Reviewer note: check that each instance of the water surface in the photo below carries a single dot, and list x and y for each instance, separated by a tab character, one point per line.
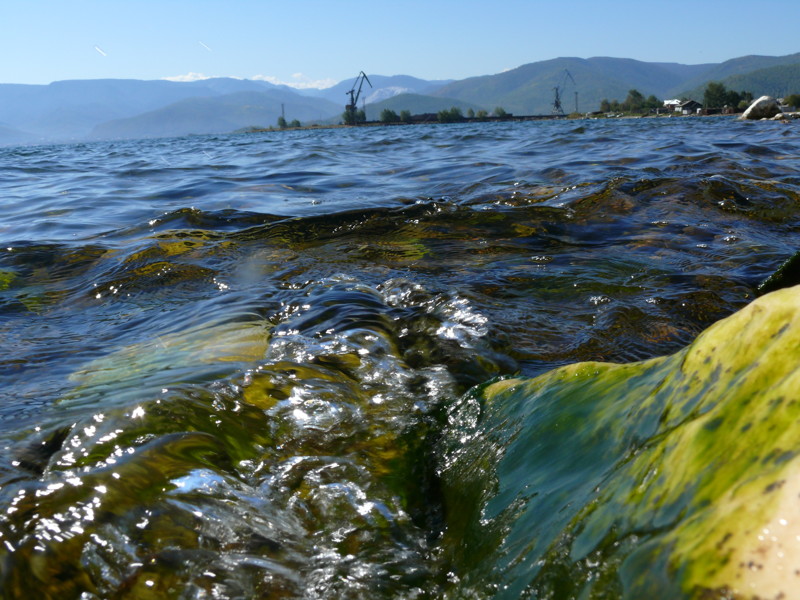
229	359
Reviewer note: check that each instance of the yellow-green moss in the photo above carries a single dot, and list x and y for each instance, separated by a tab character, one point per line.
6	278
696	455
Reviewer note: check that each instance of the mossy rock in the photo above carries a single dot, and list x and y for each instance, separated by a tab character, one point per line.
673	477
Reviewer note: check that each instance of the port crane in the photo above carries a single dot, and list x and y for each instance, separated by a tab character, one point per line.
354	93
559	89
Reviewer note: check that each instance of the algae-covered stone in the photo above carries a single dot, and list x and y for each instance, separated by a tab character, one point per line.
673	477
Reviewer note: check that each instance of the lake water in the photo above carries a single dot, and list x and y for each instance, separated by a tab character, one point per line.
228	360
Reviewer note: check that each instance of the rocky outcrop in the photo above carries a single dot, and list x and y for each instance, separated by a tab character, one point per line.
765	107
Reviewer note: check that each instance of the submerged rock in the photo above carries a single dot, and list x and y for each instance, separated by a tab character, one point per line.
282	452
764	107
673	477
787	275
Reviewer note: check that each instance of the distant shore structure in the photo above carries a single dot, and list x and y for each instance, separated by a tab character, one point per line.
351	109
558	109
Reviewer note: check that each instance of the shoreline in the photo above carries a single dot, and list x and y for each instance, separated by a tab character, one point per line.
508	118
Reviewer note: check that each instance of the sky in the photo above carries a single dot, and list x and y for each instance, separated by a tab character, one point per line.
316	43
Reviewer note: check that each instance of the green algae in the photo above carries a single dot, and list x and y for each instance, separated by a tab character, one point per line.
6	279
673	477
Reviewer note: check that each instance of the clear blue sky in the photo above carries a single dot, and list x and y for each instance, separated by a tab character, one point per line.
304	41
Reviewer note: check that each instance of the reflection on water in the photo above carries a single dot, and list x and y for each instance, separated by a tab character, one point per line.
229	374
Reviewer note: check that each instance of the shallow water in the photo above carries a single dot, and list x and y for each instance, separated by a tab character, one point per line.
229	360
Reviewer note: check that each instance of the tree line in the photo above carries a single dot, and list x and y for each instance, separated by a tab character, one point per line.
447	115
635	102
716	95
283	124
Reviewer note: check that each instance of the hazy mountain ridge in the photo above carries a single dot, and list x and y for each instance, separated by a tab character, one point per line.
740	66
9	135
71	109
528	89
88	109
777	81
217	114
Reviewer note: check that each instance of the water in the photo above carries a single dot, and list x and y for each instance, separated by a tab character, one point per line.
229	360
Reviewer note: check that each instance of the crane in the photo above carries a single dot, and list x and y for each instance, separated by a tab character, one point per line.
557	108
350	109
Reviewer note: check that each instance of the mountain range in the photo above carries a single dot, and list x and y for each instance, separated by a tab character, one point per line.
529	89
124	108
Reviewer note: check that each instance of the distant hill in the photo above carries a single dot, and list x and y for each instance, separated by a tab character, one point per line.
9	136
529	89
776	81
219	114
71	109
416	104
734	67
78	110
